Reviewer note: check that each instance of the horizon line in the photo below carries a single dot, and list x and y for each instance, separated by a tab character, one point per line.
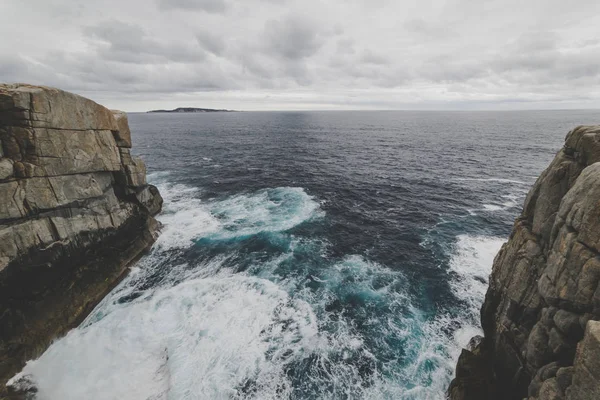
367	110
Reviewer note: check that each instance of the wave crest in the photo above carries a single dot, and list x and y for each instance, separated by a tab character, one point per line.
187	219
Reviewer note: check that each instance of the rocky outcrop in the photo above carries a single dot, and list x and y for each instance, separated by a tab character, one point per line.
541	338
75	211
585	373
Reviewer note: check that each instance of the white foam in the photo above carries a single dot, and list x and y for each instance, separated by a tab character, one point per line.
186	218
436	354
205	332
472	263
511	200
200	339
492	207
268	210
206	336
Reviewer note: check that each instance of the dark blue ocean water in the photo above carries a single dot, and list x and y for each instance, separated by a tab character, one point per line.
309	255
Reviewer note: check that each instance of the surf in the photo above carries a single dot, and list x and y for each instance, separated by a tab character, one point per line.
287	322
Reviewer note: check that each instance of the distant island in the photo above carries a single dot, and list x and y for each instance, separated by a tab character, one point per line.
189	110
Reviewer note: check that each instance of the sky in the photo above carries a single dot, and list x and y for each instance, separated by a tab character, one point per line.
137	55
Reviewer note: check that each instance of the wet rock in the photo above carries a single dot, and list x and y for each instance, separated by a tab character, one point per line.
473	376
475	343
150	198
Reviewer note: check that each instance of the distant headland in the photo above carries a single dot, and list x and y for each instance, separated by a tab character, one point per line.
189	110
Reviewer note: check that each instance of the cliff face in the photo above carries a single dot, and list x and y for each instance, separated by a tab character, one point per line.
541	339
75	210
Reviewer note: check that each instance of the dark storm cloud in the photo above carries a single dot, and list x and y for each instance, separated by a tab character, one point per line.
211	6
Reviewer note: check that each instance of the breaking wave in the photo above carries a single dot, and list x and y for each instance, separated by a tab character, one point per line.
291	323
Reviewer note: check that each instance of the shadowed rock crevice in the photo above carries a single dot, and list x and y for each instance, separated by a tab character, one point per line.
543	301
75	211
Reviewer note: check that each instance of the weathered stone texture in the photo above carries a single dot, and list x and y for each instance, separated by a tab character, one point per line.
123	134
585	384
75	210
544	287
44	107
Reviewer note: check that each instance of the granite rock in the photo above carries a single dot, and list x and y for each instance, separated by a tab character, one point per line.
586	369
123	134
75	211
544	287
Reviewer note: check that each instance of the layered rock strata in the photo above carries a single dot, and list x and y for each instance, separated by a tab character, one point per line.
75	211
542	340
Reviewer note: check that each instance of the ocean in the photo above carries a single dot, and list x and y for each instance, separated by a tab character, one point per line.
308	255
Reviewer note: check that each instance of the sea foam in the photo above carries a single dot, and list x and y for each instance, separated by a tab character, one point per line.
182	330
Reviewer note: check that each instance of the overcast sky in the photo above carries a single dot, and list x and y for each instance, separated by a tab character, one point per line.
308	54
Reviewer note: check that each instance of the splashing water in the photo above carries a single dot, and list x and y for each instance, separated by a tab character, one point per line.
291	322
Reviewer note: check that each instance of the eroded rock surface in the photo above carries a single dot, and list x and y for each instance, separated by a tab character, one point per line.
75	211
541	338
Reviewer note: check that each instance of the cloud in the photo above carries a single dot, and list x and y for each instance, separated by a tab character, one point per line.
210	6
211	42
428	30
369	57
293	37
345	46
12	68
536	57
354	53
125	42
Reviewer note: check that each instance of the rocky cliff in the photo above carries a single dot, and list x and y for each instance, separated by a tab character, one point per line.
542	340
75	211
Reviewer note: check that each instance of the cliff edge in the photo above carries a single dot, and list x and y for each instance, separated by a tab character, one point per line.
75	211
541	339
